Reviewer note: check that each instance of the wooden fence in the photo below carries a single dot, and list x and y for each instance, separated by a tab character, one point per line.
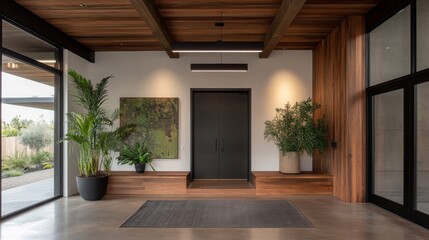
11	145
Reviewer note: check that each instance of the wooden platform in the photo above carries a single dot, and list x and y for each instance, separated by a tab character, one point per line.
268	183
220	187
264	183
148	183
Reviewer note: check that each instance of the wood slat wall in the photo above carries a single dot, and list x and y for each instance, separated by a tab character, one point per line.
339	86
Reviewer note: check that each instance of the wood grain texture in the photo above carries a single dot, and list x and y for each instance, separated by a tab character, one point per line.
339	86
153	20
115	25
284	17
272	183
130	183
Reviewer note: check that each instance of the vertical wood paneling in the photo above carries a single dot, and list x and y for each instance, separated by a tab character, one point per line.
339	86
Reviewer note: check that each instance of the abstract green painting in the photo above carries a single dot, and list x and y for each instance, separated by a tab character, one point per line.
157	123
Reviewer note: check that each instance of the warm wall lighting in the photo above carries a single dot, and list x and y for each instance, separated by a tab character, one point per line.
206	47
218	67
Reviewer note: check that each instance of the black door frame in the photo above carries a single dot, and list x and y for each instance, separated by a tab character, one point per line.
408	84
222	90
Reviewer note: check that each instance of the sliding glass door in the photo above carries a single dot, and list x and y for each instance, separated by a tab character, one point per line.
30	93
398	113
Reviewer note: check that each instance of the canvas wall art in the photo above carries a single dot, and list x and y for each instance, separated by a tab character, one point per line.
157	121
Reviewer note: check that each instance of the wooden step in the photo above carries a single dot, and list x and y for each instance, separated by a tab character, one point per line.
269	183
125	183
221	187
263	183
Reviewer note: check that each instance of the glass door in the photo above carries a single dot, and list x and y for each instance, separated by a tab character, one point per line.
30	96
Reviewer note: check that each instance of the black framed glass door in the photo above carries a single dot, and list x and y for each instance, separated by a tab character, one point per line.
398	112
31	114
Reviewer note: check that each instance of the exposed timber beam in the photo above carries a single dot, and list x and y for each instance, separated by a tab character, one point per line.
286	14
153	20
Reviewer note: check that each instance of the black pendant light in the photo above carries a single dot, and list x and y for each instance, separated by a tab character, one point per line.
221	67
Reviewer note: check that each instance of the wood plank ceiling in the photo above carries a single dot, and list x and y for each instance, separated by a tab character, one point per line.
115	25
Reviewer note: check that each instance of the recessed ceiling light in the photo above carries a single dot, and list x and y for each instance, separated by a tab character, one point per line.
82	5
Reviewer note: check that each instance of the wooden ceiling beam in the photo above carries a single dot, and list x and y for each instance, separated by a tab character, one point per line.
286	14
153	20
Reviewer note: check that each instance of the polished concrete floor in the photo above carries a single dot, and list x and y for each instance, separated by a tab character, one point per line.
16	198
74	218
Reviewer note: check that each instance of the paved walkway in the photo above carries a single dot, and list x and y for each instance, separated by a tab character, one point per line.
17	198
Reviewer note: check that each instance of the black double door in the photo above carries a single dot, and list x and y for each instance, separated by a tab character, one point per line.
221	135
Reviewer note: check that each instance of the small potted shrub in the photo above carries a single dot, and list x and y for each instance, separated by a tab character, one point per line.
137	155
294	131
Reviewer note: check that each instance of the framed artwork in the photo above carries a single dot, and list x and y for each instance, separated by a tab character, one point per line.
157	121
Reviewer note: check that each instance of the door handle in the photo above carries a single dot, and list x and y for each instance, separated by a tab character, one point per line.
222	148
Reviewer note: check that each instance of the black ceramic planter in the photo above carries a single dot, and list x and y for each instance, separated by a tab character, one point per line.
140	167
92	188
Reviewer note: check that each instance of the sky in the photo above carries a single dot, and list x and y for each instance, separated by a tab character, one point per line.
14	86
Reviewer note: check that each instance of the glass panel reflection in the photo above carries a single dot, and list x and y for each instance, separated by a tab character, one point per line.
27	135
390	48
422	149
28	45
389	145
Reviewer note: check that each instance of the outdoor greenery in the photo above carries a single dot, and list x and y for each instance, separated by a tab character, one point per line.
294	130
15	127
22	162
37	136
12	172
138	153
93	130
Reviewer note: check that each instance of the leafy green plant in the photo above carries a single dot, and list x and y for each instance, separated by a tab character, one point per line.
18	160
14	172
41	157
294	130
139	153
86	129
37	136
15	127
47	165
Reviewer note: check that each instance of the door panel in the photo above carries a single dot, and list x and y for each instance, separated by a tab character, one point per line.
234	134
221	135
388	163
206	135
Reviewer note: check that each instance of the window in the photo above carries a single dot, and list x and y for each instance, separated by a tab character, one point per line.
30	92
390	47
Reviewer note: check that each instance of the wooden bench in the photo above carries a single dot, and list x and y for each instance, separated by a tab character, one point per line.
267	183
126	183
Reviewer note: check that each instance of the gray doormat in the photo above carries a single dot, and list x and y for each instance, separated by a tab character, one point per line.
217	214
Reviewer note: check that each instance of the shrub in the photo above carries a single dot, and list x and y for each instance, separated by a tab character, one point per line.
15	127
18	160
40	158
14	172
48	165
37	136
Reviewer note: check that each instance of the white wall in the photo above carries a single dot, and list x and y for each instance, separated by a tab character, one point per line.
79	64
284	76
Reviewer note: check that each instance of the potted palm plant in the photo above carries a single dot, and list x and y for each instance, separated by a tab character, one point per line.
294	131
137	155
91	131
